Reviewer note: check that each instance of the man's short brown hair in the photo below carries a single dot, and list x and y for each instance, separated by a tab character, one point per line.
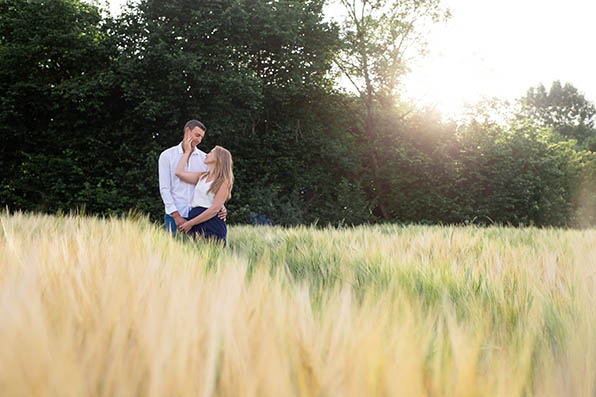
195	123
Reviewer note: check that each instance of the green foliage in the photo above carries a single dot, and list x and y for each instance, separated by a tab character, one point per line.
53	61
254	73
584	188
510	176
89	102
379	36
418	176
564	109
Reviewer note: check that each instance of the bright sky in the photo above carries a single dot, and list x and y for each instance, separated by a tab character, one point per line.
500	49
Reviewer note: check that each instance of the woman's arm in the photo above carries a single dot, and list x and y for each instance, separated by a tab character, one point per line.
218	202
187	176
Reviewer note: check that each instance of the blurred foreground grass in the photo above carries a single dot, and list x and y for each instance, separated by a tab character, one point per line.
112	307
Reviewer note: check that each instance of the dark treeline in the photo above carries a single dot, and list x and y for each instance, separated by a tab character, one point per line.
89	101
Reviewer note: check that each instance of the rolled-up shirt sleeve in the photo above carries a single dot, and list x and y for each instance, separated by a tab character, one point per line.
165	188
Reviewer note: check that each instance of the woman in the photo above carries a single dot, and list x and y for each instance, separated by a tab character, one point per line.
213	188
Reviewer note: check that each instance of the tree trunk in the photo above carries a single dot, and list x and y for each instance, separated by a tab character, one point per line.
371	135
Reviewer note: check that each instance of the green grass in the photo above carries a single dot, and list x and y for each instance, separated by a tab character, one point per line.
116	306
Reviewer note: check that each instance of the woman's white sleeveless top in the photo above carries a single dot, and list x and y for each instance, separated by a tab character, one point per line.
201	198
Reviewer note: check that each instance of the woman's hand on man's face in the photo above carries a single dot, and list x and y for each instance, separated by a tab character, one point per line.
188	144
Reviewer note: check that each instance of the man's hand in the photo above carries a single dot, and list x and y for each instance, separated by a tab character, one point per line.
223	213
178	219
185	227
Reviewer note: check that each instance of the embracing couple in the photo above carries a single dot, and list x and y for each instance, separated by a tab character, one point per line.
194	186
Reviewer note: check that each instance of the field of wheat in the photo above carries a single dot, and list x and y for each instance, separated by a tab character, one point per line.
116	307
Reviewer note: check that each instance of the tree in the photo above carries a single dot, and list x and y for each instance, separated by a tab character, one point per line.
563	108
379	38
54	67
255	72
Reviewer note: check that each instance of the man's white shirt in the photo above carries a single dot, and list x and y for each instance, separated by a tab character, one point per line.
177	194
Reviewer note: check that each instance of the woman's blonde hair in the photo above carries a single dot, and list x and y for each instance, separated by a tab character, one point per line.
222	171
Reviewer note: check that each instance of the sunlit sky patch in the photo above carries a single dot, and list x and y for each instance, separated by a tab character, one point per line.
502	48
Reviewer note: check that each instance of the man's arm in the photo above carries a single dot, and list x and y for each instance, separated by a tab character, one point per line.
223	213
165	190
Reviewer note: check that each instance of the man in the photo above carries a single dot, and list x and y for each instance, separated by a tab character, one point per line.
176	194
